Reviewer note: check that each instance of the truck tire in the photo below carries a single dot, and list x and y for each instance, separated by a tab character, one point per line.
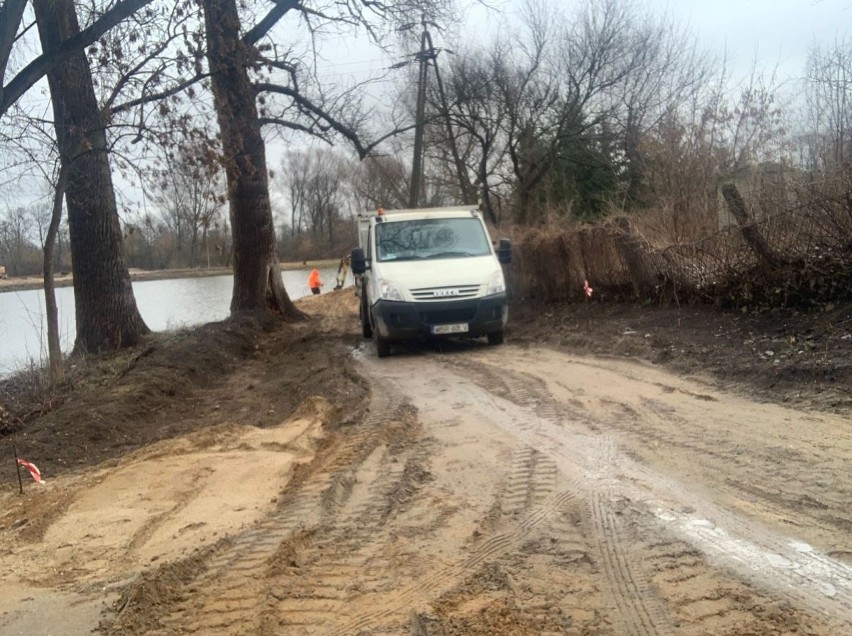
495	337
382	347
366	327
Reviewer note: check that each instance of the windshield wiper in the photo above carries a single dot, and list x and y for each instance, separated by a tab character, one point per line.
400	258
449	254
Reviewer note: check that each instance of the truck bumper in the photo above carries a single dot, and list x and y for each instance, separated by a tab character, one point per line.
395	320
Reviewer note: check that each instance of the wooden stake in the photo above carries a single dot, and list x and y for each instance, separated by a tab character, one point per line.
18	469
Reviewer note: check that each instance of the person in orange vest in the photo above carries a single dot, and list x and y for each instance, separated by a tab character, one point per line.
314	281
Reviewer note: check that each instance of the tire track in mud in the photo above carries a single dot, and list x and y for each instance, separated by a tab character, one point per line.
754	553
788	460
759	556
640	611
344	560
768	489
443	578
538	573
529	500
773	483
327	562
791	568
532	478
230	596
519	388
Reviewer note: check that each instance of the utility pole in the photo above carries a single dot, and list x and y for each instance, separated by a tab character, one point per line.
423	58
428	53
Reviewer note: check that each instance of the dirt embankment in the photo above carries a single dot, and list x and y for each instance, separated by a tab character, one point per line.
783	355
248	477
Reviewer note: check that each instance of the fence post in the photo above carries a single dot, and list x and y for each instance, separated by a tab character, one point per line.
751	234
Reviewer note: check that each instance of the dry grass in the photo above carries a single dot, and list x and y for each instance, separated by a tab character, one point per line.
811	244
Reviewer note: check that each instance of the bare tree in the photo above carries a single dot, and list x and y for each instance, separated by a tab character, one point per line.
829	102
380	181
479	114
559	95
54	349
680	169
106	312
540	97
187	193
326	190
11	15
670	72
829	124
149	245
257	275
257	278
752	127
295	169
17	243
318	183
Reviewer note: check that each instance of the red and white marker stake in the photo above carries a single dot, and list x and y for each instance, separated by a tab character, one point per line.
34	471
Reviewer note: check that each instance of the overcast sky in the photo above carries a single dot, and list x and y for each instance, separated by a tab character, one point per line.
772	32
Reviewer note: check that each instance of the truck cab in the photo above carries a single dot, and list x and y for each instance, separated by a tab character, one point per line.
430	272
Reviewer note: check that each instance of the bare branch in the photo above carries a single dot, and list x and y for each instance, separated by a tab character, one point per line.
11	14
44	63
283	123
152	97
310	108
281	8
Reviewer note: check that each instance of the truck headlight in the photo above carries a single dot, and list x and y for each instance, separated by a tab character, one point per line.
497	284
389	290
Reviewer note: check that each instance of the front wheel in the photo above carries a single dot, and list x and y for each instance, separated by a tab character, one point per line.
495	337
382	347
366	327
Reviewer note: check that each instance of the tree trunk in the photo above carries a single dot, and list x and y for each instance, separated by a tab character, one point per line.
107	316
635	166
487	204
54	348
257	273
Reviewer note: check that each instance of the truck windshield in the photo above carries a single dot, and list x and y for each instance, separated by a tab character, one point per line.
431	238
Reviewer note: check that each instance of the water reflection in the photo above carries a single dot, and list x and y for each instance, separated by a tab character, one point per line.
164	304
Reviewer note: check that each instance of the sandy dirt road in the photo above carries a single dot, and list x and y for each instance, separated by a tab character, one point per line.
499	491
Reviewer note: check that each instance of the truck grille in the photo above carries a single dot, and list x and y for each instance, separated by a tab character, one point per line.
445	293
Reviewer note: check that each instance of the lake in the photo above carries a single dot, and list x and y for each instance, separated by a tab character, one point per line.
164	305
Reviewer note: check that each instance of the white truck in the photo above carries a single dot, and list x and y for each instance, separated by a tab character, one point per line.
429	272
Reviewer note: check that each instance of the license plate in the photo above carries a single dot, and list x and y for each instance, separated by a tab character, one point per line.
445	329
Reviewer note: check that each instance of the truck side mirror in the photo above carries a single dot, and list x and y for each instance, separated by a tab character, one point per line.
357	261
504	251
